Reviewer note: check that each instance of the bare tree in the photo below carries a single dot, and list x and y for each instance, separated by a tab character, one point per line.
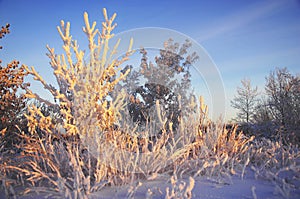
262	113
283	90
245	101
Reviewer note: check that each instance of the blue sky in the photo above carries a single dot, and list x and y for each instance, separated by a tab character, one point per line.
243	38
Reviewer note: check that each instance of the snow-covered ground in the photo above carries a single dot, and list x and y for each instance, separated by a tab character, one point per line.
234	187
231	187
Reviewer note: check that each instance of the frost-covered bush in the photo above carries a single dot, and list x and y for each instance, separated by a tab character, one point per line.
83	84
12	99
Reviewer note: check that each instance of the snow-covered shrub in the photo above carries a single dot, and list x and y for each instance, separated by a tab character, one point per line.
83	84
12	99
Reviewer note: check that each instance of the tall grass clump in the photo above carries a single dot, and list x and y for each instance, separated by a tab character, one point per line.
278	163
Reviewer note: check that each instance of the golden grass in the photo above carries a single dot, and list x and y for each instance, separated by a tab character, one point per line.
69	169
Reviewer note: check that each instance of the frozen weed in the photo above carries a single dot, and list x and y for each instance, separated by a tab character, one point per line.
278	163
180	189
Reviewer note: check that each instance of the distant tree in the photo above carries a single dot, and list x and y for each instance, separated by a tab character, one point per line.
262	113
245	101
167	80
283	91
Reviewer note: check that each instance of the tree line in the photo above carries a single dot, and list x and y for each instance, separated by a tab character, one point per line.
275	111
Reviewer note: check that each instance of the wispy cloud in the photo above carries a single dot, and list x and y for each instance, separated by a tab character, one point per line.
254	62
241	18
